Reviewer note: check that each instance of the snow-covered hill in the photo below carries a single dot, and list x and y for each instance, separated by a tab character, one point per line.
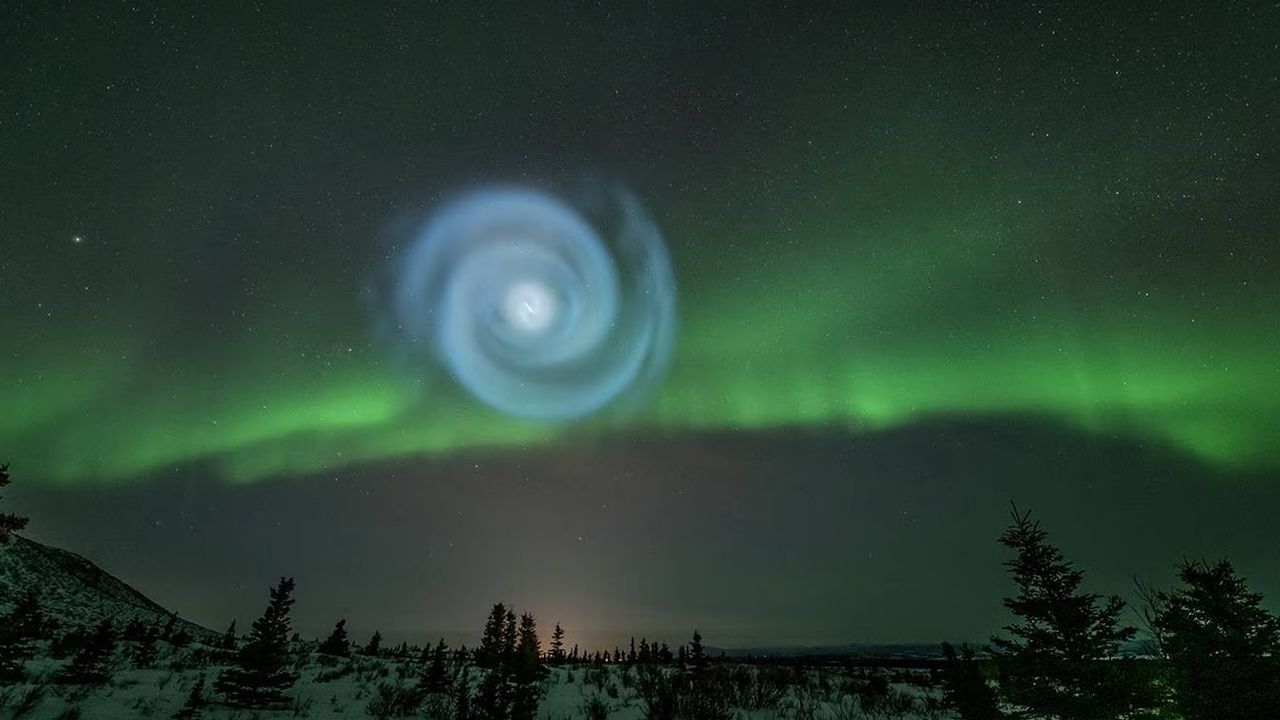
74	591
351	690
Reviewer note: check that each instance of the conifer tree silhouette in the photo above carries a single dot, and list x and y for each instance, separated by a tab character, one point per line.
337	643
557	645
697	654
964	688
15	649
375	644
435	671
9	524
92	663
1055	662
145	653
263	670
527	671
1222	645
489	654
193	708
228	641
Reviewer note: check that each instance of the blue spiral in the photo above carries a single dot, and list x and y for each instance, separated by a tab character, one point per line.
538	308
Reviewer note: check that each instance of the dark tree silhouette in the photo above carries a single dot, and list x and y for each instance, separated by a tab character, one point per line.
463	708
510	636
1053	665
263	671
92	664
9	524
497	653
1223	647
664	654
193	708
145	652
228	641
557	645
375	644
490	653
135	630
435	671
964	688
337	643
175	634
15	644
697	655
527	671
29	620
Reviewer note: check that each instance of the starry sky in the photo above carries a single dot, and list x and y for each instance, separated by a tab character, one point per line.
928	259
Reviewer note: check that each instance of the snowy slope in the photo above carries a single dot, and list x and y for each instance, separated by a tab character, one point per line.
158	693
73	590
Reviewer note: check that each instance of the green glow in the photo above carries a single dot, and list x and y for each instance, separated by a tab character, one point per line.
820	343
925	292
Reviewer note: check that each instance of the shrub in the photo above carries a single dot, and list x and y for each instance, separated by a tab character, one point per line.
392	700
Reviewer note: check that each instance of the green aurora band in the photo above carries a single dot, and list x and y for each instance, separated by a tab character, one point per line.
823	343
900	283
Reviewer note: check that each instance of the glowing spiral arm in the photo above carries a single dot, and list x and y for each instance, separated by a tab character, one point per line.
539	310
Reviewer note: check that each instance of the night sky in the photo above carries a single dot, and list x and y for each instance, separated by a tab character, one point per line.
926	259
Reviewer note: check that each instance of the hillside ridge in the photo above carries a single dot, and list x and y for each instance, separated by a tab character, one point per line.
75	591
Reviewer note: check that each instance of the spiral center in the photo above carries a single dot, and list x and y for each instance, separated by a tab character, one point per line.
529	307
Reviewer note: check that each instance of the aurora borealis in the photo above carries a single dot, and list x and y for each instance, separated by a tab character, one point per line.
879	220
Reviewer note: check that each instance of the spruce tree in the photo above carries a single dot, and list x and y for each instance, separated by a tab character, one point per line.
462	697
1222	645
697	654
181	638
1055	663
262	671
91	665
337	643
15	646
193	708
527	671
9	524
435	671
489	654
28	619
375	644
510	635
229	637
135	630
557	645
492	700
145	653
964	688
23	625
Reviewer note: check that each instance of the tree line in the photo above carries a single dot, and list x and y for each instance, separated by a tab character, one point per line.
1214	652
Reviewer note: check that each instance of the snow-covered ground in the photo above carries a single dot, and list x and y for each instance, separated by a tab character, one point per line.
810	694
